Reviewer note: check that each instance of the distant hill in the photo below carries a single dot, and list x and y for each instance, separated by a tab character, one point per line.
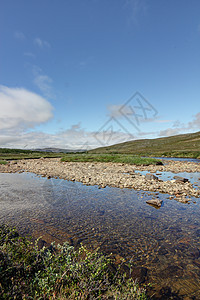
58	150
183	145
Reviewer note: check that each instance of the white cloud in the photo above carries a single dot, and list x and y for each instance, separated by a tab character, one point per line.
22	109
114	110
130	112
169	132
77	137
19	35
179	127
41	43
195	123
71	138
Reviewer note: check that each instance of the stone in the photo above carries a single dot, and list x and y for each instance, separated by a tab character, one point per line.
113	175
155	202
181	179
149	176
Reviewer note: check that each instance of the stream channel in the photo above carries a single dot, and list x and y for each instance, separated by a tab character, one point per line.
163	244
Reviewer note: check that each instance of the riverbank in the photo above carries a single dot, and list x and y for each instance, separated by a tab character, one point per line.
112	174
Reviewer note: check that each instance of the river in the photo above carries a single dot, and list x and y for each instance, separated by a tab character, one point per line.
164	243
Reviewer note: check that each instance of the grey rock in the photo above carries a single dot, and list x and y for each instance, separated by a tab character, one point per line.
149	176
155	202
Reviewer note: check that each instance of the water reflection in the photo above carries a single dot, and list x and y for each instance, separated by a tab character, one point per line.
163	242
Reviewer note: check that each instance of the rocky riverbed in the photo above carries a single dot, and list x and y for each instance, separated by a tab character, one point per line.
113	174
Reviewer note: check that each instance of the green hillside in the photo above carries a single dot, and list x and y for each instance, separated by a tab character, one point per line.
184	145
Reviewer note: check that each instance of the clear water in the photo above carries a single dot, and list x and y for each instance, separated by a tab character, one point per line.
194	177
165	241
195	160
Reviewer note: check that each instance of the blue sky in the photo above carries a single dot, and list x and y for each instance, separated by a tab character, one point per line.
85	73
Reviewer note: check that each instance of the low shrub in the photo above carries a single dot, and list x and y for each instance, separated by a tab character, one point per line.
58	272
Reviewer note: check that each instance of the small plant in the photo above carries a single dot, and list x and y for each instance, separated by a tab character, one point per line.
3	162
58	272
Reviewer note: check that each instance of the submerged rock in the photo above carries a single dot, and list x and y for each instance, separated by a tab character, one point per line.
139	274
155	202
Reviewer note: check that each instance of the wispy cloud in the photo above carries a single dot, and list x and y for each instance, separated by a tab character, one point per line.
162	121
43	82
86	61
41	43
19	35
29	54
135	8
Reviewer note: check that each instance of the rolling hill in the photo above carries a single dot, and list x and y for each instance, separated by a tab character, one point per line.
183	145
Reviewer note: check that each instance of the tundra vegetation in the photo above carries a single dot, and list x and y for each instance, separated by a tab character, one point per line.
114	158
59	272
16	154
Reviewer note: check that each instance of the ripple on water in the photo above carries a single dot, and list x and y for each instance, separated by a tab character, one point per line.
163	243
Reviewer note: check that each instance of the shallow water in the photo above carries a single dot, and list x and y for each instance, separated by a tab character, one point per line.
194	177
163	242
195	160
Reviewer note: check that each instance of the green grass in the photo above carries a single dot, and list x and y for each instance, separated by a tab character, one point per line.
59	272
114	158
184	145
3	162
15	154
